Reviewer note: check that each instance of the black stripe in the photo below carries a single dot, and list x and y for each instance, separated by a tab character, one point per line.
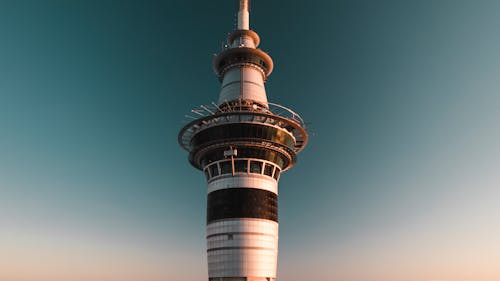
243	131
242	203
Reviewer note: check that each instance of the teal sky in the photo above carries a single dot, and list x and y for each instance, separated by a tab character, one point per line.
400	180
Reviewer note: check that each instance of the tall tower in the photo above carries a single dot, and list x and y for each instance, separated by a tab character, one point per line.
243	143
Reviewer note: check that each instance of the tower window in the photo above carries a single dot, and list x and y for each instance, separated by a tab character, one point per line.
241	166
268	170
225	167
255	167
276	174
214	170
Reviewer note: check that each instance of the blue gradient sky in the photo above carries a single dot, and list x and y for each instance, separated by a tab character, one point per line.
400	181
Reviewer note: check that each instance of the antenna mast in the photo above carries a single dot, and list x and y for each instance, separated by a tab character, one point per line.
243	16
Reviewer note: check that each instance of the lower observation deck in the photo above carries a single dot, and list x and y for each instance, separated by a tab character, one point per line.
241	166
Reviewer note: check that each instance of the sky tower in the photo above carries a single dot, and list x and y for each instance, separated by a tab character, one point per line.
243	143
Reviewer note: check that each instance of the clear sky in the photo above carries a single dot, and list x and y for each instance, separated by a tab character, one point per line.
400	181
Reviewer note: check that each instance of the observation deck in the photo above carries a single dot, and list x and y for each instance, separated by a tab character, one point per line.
243	123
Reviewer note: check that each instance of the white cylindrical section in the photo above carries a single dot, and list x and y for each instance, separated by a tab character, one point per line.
244	181
243	247
245	83
243	41
243	20
243	15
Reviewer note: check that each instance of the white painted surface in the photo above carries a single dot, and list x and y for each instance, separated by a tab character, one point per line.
243	225
243	15
251	248
247	239
244	181
246	83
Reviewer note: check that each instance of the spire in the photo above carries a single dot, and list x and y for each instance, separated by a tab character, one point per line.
243	16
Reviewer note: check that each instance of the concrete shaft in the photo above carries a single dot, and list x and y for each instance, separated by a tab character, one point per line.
245	83
242	247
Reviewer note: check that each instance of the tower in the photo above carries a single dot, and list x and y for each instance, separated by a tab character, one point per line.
243	143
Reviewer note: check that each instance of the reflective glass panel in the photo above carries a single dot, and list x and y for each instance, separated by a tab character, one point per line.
214	170
276	174
246	152
242	203
255	167
243	131
225	167
240	166
268	170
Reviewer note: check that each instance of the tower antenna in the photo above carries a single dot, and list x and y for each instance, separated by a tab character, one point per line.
244	16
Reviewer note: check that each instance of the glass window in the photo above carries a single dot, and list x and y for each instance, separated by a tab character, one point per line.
240	166
214	170
225	167
255	167
206	174
246	118
242	130
268	170
246	152
276	174
240	203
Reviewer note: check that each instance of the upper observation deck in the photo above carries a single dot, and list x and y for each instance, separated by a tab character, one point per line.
244	111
